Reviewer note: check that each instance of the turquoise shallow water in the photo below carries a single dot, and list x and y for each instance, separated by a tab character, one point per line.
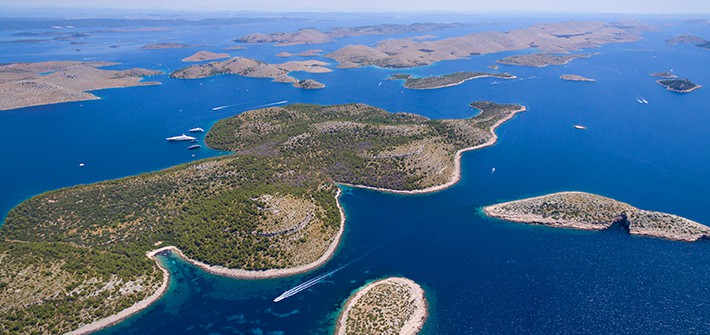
481	275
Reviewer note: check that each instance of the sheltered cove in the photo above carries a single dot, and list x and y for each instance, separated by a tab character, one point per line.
418	142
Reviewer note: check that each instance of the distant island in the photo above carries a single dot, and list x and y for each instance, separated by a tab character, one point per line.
158	46
666	75
574	77
452	79
680	85
588	211
550	38
268	210
42	83
393	305
315	36
253	68
204	56
306	53
540	59
690	39
309	84
235	47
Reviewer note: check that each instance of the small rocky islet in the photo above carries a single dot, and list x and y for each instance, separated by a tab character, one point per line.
394	305
580	210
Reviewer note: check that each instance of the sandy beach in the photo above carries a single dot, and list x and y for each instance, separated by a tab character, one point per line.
456	175
412	326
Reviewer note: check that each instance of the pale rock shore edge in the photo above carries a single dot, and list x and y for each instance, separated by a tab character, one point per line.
412	326
137	307
275	273
456	175
217	270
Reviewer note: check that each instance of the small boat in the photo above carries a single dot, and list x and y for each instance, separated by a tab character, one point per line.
493	170
182	137
194	146
81	164
639	100
576	126
197	130
644	100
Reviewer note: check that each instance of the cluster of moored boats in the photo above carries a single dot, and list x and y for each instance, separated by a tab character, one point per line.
192	139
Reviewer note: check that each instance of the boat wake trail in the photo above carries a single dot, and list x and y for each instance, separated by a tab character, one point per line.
260	106
307	284
223	107
272	104
313	281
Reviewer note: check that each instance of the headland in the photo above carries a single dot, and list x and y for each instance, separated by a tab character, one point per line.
280	182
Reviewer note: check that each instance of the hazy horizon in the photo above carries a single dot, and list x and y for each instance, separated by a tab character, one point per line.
698	7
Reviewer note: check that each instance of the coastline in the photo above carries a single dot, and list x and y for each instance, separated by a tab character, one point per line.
412	326
679	91
137	307
456	174
271	273
217	270
456	83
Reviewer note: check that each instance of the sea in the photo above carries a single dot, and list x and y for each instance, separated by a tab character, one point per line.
481	275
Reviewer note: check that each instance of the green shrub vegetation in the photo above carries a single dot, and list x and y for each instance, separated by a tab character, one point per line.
75	255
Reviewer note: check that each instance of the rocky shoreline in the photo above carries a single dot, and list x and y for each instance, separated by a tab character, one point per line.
588	211
381	301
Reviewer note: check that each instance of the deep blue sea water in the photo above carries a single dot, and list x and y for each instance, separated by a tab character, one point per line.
482	276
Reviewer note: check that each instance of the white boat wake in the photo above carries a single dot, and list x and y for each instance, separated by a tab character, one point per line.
307	284
223	107
272	104
313	281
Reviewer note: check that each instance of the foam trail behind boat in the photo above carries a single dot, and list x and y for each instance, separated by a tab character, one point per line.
272	104
223	107
313	281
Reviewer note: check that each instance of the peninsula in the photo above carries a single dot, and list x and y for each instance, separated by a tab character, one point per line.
203	55
540	59
446	80
270	209
315	36
252	68
42	83
393	305
559	37
587	211
680	85
574	77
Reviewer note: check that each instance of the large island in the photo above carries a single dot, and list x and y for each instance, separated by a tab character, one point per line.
42	83
587	211
256	69
559	37
75	258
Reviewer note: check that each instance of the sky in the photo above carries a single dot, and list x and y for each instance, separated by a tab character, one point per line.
594	6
